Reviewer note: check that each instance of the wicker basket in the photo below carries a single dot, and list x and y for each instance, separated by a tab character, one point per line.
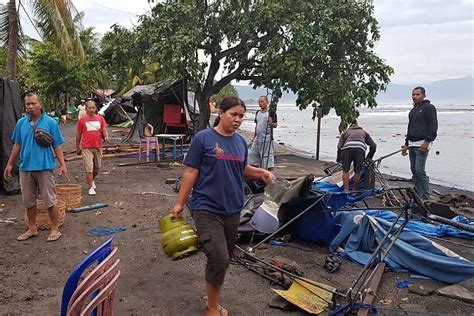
70	194
42	217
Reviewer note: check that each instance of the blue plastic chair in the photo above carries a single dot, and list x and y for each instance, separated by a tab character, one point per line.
96	256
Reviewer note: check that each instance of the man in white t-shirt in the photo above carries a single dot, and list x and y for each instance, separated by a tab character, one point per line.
91	130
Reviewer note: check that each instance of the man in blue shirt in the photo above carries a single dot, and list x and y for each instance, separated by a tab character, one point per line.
37	164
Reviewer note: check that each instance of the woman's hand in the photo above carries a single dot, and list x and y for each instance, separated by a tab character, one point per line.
267	176
177	211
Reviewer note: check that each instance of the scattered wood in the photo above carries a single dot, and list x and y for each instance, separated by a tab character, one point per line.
126	164
372	289
103	156
422	290
71	151
170	181
73	158
457	292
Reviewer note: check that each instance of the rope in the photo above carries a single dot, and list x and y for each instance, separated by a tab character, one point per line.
104	231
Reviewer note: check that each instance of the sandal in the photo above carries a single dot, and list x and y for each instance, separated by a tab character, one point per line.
53	237
222	310
26	236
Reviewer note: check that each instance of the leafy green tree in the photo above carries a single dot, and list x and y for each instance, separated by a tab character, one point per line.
329	61
322	50
52	78
122	55
227	91
57	22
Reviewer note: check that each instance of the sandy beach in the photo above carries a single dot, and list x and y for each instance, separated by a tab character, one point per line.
33	272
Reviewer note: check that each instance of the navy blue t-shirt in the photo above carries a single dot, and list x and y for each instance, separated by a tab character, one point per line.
221	161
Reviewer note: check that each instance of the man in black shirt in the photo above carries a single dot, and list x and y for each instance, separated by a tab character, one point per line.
422	131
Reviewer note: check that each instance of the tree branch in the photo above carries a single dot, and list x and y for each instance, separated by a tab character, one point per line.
227	79
241	46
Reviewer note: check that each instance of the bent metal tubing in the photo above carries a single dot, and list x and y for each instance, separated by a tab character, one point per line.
393	238
251	249
289	274
376	252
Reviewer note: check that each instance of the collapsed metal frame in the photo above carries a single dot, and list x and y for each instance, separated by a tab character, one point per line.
409	204
412	204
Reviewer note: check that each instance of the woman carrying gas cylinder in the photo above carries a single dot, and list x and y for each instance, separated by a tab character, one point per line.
216	165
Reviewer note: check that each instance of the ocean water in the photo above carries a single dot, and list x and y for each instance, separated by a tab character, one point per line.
449	163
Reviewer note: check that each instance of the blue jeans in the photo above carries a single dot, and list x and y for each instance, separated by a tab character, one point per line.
417	166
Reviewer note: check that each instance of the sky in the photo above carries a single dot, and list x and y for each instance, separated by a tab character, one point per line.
423	40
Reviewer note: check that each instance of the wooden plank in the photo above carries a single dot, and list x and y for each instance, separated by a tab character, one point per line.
103	156
372	289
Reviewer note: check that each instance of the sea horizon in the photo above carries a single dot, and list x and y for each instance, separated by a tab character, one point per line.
449	162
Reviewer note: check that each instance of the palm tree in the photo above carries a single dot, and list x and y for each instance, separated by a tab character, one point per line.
10	30
56	22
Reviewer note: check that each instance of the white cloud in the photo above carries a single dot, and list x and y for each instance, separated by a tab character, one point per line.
423	40
426	40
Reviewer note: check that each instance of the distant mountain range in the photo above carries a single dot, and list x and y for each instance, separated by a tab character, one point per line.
443	92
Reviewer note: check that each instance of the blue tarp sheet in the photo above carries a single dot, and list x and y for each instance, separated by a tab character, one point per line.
410	252
429	229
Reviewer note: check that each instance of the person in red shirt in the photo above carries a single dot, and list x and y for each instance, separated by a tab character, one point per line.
91	129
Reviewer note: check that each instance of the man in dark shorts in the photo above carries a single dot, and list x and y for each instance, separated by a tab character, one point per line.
351	148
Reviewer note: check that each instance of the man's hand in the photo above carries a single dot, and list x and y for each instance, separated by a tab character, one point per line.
270	122
64	172
425	147
404	150
177	211
78	151
7	173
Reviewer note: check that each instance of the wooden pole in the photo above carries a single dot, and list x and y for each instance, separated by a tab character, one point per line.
318	133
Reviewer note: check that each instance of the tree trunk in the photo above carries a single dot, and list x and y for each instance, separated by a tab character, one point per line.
13	39
204	113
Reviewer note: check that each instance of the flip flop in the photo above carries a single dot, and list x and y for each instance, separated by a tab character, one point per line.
222	310
26	236
53	237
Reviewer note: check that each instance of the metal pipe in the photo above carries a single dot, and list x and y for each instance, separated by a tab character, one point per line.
386	156
251	249
451	223
370	276
287	272
374	254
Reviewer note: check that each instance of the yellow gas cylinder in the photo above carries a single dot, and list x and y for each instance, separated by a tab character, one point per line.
178	240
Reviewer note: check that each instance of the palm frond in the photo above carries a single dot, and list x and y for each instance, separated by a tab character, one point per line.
56	19
5	32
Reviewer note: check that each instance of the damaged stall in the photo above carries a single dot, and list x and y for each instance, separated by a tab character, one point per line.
395	234
10	113
168	107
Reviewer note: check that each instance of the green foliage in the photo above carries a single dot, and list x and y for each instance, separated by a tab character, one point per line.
122	55
48	75
322	50
59	22
227	91
330	61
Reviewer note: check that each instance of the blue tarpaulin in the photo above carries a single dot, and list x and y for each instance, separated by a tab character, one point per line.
429	229
411	251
